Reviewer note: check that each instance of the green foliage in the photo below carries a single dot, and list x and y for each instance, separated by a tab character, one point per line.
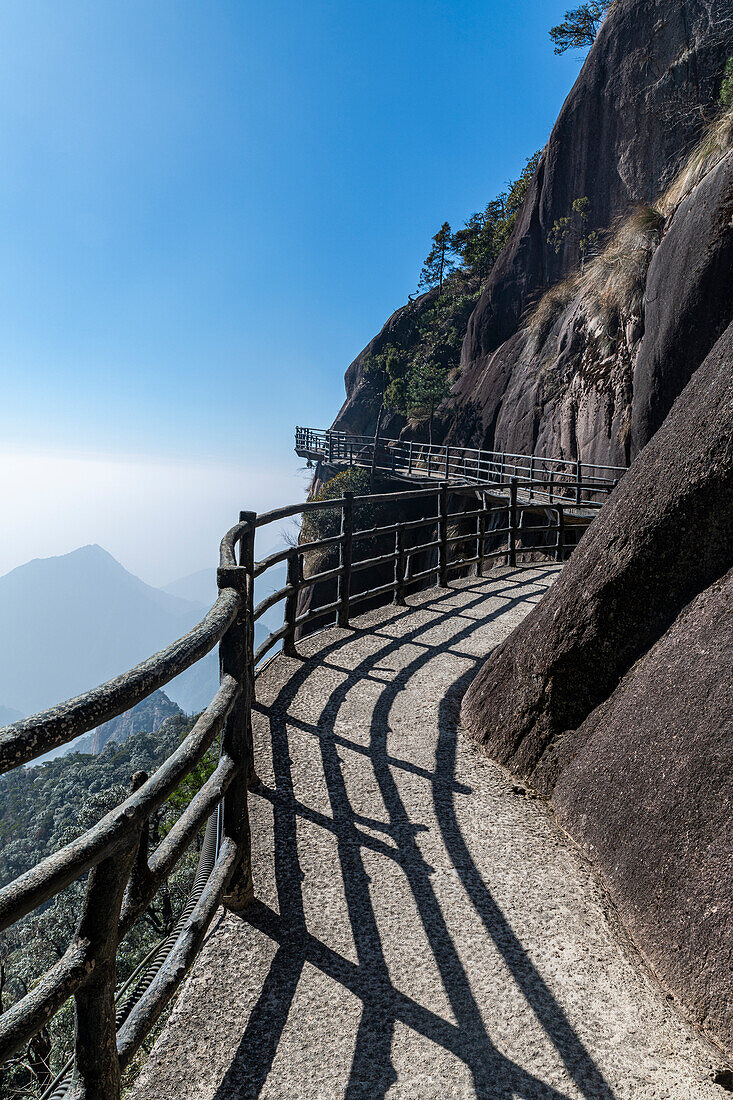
43	804
725	97
558	233
384	374
424	364
580	27
482	238
428	387
440	260
410	373
325	523
42	808
574	226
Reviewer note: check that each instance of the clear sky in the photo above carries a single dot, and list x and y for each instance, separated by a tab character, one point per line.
207	208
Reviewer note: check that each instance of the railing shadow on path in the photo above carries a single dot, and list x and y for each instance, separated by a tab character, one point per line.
112	1023
495	1077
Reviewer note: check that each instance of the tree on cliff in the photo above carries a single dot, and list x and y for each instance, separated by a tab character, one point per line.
575	227
439	261
580	27
384	378
480	241
428	386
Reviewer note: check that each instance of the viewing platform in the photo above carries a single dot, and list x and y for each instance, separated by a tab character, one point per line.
579	487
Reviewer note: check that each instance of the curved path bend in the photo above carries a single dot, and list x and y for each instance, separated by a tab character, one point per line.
423	929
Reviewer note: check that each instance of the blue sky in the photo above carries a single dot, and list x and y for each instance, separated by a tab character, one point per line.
206	210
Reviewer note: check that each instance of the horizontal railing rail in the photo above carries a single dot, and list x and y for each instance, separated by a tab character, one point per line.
492	520
569	481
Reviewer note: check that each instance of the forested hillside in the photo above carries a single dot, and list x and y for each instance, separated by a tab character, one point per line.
41	809
148	715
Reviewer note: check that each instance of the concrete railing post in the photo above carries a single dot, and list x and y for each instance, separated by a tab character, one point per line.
481	537
560	548
399	567
345	557
512	522
291	600
236	659
97	1067
578	481
443	536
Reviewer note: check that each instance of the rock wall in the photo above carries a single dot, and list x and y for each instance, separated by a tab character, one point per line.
637	108
688	301
649	795
595	370
555	702
584	377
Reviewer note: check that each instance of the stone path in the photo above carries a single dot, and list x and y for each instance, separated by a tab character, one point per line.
423	928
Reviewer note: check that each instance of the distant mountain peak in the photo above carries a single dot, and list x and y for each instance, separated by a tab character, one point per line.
92	549
72	621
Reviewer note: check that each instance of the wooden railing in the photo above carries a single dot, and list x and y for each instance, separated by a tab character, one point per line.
123	876
568	481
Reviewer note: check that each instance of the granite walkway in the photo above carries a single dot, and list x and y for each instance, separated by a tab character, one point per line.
423	929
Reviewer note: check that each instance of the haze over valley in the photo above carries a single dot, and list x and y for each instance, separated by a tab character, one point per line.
71	622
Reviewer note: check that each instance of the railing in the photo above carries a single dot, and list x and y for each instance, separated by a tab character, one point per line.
568	481
123	876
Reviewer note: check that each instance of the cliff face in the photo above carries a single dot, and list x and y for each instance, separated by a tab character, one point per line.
358	414
148	715
688	301
665	534
595	369
613	696
648	795
638	106
559	361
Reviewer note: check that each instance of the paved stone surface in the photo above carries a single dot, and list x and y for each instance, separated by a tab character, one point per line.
423	928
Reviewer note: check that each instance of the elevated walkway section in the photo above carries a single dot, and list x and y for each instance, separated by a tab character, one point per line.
578	487
424	930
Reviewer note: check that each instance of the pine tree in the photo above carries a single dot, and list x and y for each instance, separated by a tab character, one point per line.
482	238
383	375
580	27
428	387
439	261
